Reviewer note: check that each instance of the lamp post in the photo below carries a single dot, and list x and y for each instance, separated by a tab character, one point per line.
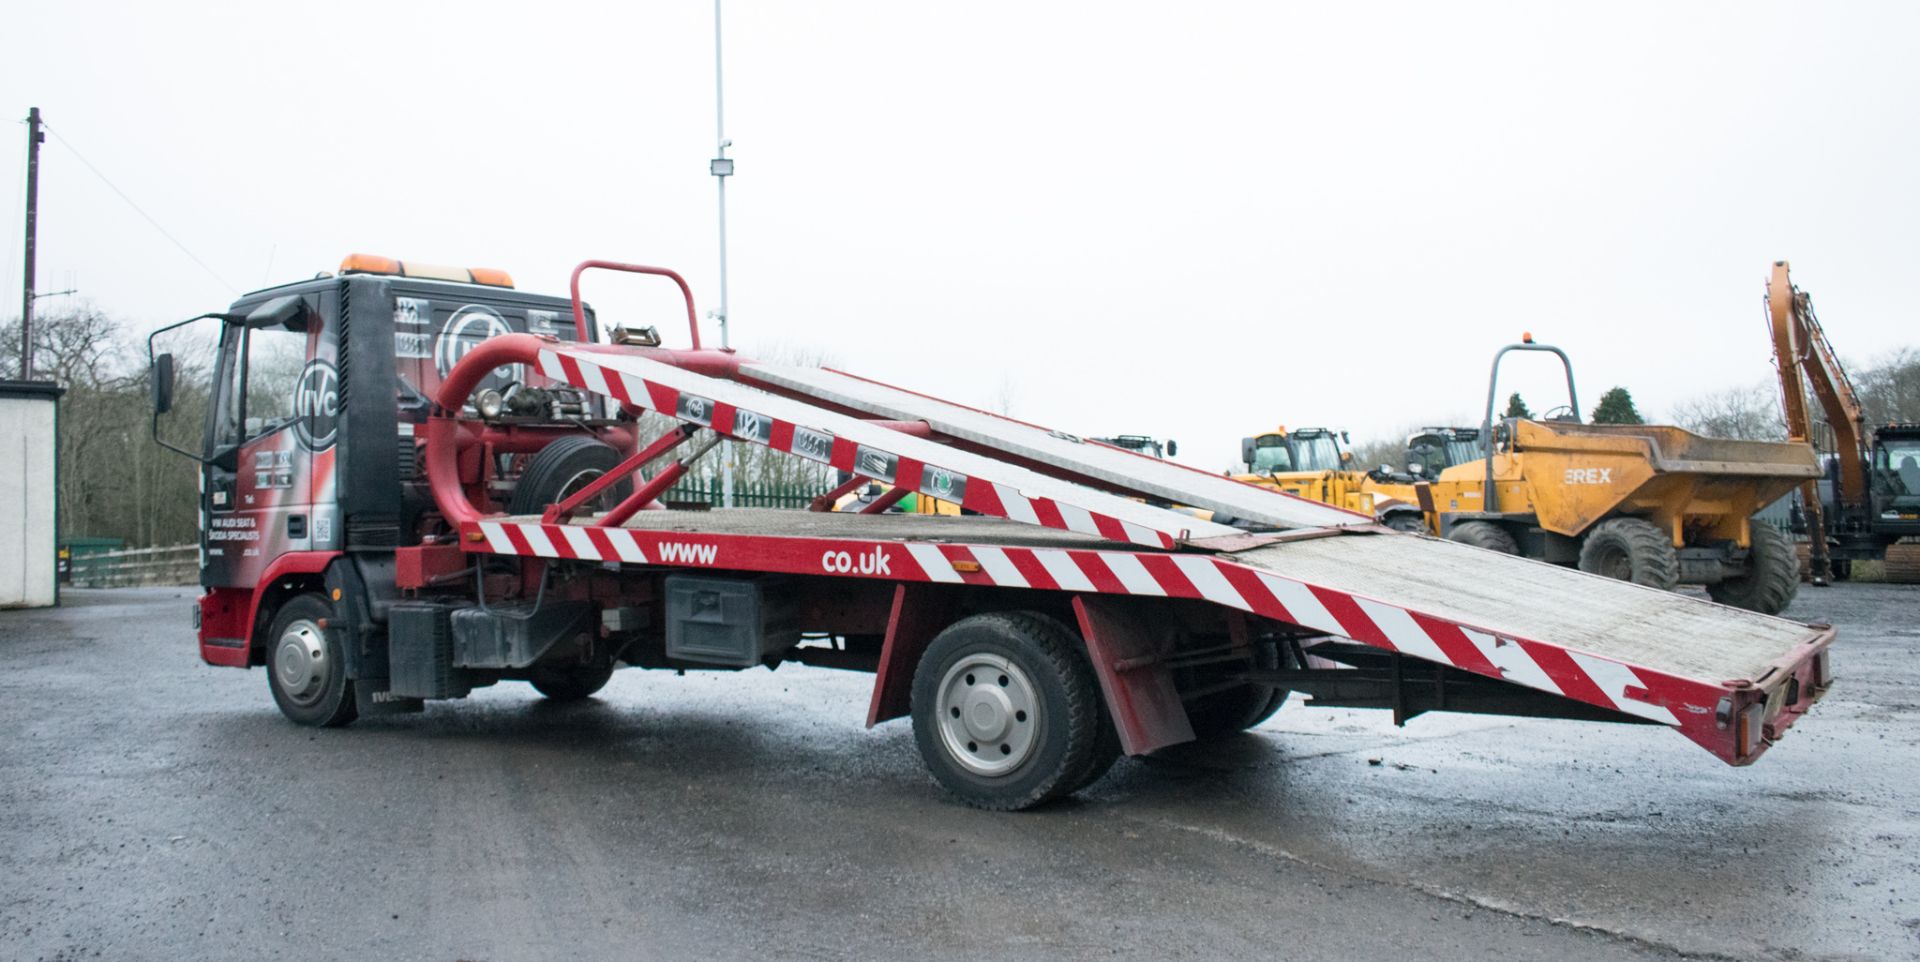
721	167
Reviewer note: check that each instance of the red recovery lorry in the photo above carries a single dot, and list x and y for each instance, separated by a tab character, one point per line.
418	481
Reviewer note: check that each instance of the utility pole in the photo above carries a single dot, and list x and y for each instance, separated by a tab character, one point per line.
722	167
34	138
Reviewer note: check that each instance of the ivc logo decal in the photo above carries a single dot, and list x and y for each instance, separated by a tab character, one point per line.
874	562
1589	476
316	405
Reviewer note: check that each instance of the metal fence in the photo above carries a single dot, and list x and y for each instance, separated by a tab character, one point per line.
745	495
170	565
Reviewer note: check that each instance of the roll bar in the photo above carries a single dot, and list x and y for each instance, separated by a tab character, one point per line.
1490	499
580	314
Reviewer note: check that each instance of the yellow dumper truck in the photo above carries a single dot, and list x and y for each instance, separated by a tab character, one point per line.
1651	504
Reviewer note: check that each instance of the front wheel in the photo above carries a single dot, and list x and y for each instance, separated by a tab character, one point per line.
305	669
1006	711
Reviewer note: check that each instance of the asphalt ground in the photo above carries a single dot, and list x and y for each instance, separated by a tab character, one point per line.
155	808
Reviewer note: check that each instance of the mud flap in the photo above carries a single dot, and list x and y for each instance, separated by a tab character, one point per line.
1139	689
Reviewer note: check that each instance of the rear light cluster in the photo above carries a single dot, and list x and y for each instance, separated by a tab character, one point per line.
1749	725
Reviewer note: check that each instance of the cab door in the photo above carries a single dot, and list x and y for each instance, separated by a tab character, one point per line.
275	404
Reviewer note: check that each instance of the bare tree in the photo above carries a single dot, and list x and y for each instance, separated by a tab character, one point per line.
1749	412
1890	388
114	482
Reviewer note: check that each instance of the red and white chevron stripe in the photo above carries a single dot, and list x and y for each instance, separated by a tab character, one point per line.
996	499
1587	678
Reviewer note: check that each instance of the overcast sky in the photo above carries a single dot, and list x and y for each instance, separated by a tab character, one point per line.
1185	220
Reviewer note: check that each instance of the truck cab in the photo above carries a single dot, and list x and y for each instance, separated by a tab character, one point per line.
302	403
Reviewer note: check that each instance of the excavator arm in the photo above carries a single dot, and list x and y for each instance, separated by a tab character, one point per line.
1805	360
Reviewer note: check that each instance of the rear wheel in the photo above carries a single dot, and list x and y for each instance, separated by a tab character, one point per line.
1772	577
304	665
1633	549
1484	534
1006	711
571	682
1239	708
564	466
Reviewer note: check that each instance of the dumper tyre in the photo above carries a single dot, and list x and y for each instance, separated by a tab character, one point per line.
1772	577
1237	709
573	682
1636	550
1408	521
306	669
564	466
1006	711
1484	534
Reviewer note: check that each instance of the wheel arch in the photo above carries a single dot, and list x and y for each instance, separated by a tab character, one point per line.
291	574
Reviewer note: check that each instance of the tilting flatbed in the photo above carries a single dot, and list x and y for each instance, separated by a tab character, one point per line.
1069	616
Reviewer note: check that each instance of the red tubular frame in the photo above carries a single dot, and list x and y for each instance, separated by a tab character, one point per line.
880	504
826	501
443	428
667	478
579	311
666	442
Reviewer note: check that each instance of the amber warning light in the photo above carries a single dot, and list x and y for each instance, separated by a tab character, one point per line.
374	264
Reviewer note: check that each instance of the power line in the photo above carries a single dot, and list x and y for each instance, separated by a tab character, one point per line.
139	210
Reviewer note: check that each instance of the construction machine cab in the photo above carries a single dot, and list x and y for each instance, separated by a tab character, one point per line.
1433	450
1302	449
1896	478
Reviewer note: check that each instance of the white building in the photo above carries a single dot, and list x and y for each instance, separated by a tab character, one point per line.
29	496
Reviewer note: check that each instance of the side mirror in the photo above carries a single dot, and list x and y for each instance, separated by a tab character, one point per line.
1246	451
1173	448
162	383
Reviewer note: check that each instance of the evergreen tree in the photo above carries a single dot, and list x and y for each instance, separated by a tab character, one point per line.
1616	407
1517	408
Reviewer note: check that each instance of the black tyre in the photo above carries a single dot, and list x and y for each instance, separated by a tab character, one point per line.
1636	550
1006	711
1407	521
1239	708
570	682
564	466
1772	577
1484	534
305	668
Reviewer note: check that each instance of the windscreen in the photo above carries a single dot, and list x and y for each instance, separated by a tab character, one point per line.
1896	465
1318	454
1461	452
1270	455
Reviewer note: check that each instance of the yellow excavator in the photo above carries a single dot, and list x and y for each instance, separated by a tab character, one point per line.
1652	504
